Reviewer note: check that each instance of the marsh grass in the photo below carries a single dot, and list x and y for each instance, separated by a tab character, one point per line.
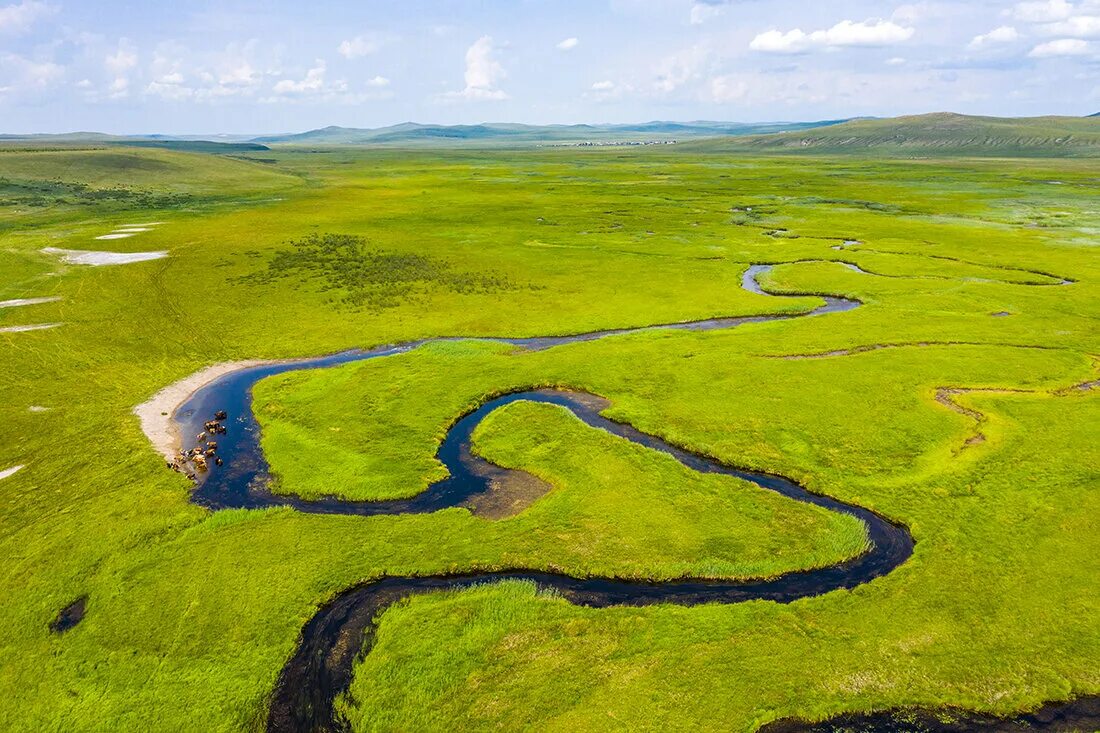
368	278
190	615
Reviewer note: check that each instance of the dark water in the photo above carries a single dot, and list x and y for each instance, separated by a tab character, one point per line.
1081	715
322	665
69	616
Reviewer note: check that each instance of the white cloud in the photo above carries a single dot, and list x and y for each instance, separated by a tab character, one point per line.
724	89
568	44
358	47
1076	26
606	90
701	12
122	60
1003	34
21	74
238	71
846	33
1061	47
19	18
773	41
378	81
1042	11
119	88
683	67
895	61
867	33
312	83
483	73
170	86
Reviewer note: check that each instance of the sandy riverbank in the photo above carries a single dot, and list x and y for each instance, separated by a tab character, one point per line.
156	413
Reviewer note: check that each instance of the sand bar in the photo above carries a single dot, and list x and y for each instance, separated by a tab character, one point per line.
155	413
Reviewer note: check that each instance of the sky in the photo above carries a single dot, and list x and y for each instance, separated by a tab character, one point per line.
250	67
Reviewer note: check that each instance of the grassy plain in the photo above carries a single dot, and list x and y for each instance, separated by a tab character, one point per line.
192	614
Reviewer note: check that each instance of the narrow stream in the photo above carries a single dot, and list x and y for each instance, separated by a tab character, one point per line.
322	666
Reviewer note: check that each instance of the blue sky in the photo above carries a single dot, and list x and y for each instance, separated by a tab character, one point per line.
244	66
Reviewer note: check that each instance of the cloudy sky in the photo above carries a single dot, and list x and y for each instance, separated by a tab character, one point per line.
246	66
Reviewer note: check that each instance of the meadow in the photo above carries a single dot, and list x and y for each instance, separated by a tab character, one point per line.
978	275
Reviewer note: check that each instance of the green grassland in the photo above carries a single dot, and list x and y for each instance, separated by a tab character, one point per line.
191	614
940	134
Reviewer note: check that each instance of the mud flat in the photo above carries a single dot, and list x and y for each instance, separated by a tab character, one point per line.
28	327
16	302
97	258
11	471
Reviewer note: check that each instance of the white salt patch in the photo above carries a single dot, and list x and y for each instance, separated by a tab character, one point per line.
114	236
90	257
37	408
28	327
27	301
9	471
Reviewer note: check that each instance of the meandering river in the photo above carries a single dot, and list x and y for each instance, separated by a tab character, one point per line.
321	667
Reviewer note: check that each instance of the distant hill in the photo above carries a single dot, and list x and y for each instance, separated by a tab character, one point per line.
934	134
189	144
504	133
195	146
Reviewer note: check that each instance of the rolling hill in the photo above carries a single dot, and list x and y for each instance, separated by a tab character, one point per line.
933	135
195	144
497	133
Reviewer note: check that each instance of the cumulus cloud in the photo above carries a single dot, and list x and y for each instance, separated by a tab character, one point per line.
123	59
119	88
568	44
1042	11
606	90
1003	34
313	83
171	86
1075	26
359	46
1061	47
238	71
483	73
20	74
378	81
19	18
704	10
846	33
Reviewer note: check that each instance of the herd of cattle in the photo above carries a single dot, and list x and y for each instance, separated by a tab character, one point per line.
198	459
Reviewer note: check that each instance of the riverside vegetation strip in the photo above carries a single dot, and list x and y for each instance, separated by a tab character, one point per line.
189	616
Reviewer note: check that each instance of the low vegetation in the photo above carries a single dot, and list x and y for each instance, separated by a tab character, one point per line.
189	615
363	277
941	134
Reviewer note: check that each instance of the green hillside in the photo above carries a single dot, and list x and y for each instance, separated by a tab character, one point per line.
934	135
509	133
